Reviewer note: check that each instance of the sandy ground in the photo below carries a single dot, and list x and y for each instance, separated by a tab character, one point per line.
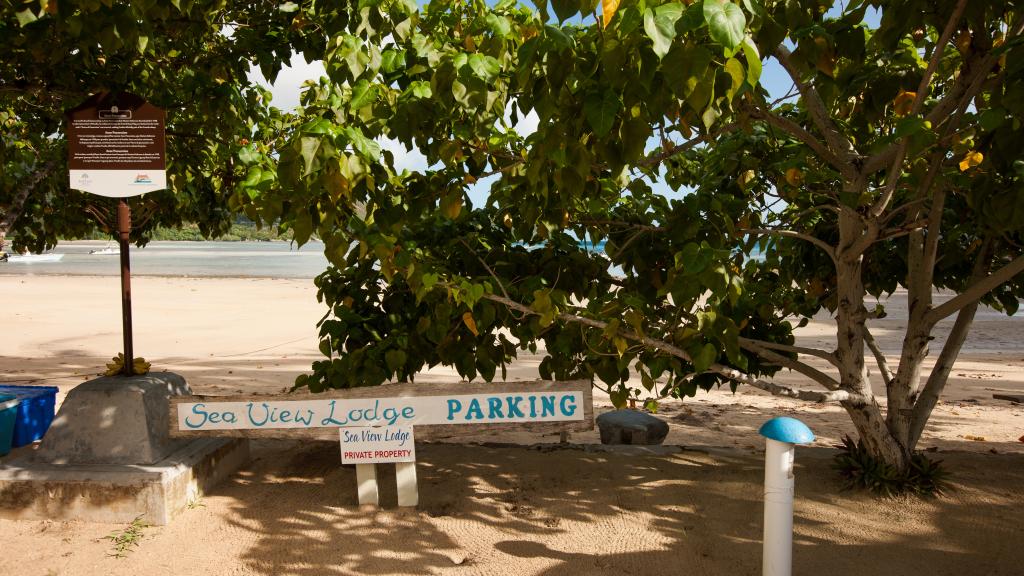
491	508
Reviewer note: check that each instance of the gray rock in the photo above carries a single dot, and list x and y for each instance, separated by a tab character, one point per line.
631	427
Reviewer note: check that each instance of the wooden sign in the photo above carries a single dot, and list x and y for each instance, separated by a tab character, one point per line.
375	424
116	146
436	410
378	445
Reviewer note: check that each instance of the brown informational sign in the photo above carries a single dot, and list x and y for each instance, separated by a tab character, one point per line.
116	146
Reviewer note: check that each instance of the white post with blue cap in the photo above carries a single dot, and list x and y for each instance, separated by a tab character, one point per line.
782	435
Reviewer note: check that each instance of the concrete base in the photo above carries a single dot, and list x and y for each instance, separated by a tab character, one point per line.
118	493
114	420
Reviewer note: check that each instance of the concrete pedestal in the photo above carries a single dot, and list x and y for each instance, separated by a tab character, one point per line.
117	493
114	420
107	457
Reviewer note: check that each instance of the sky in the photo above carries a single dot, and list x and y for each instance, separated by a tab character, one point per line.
288	86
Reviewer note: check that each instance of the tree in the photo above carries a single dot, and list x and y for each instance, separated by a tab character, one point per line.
893	165
190	57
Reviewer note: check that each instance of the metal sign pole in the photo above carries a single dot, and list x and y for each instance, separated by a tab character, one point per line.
124	227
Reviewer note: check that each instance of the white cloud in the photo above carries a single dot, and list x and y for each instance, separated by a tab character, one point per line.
411	160
288	85
527	124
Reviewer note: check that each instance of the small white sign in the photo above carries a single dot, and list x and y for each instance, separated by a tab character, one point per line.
377	445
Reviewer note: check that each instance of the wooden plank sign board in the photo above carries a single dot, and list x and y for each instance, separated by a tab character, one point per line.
436	410
376	424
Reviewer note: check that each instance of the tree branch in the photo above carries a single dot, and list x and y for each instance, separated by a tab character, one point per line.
795	365
786	391
908	228
793	234
895	168
816	107
828	356
730	373
976	290
883	364
798	132
969	81
658	158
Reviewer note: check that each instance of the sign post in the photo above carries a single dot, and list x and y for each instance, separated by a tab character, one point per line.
368	446
376	424
124	229
116	149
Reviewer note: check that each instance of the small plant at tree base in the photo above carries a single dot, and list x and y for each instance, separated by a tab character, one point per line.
125	540
861	470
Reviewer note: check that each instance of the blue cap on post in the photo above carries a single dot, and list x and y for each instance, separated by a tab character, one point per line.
786	429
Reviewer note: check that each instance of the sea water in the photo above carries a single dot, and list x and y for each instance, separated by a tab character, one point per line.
275	259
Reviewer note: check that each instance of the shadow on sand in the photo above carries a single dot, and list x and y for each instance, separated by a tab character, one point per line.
564	511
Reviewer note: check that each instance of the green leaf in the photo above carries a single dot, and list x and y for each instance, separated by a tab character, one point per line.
737	76
660	26
753	58
252	179
392	61
366	147
420	89
619	396
685	67
248	154
704	358
726	22
26	17
308	147
600	111
318	126
498	25
692	259
395	359
565	9
363	94
484	67
302	228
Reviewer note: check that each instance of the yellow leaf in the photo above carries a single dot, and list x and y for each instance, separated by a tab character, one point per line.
826	62
971	160
621	346
451	204
963	41
794	177
903	103
609	7
467	319
746	177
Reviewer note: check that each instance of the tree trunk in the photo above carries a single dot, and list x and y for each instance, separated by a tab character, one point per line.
851	316
876	436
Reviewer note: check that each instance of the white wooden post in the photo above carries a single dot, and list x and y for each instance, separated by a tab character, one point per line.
405	477
366	482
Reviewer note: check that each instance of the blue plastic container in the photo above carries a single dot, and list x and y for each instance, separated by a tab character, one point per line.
35	411
8	413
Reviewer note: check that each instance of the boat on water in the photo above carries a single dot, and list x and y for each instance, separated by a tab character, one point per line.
106	251
31	258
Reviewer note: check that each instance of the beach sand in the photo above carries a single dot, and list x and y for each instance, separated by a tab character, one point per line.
501	503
